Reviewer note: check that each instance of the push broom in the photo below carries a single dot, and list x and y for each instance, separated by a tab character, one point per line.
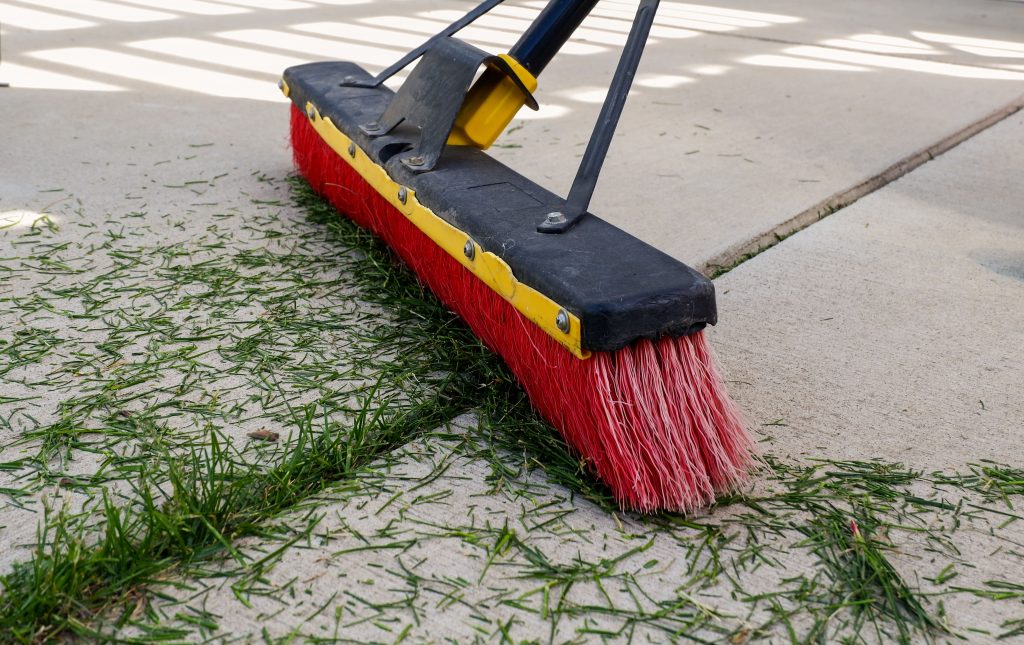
604	332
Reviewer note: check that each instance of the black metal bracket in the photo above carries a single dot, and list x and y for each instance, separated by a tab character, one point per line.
406	60
585	182
432	95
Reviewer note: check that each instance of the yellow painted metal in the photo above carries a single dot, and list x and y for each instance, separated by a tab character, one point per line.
486	266
490	105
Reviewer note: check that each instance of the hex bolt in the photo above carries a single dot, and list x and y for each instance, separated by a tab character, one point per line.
554	218
403	194
469	250
372	127
415	161
562	321
352	150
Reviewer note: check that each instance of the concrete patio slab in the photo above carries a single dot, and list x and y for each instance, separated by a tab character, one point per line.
893	329
432	547
747	122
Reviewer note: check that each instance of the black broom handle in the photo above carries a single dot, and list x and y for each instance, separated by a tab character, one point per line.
551	29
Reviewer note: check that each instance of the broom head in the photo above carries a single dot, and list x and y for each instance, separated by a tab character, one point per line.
603	331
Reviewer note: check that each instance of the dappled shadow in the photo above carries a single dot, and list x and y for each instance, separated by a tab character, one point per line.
234	47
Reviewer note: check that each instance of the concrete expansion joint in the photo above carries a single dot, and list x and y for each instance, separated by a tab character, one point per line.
740	253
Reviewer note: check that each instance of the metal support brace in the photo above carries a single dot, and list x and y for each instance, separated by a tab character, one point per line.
586	177
432	95
450	30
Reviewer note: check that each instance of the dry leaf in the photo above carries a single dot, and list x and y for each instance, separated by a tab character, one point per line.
264	435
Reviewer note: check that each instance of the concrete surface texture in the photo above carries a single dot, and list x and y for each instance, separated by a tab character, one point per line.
525	561
151	259
889	332
910	304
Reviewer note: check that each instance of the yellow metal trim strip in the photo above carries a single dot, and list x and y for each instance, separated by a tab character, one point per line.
488	267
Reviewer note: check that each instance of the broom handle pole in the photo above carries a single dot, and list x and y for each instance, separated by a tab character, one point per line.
549	31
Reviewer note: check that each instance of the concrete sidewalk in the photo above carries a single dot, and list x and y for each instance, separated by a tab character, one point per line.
890	330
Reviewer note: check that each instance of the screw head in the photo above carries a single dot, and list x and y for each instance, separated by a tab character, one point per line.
403	194
469	250
415	161
562	321
351	149
554	218
310	112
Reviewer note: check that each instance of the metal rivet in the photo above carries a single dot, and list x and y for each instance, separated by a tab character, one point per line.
554	218
351	149
469	249
414	161
403	194
310	112
562	321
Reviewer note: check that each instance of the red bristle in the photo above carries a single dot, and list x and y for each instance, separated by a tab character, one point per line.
653	420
